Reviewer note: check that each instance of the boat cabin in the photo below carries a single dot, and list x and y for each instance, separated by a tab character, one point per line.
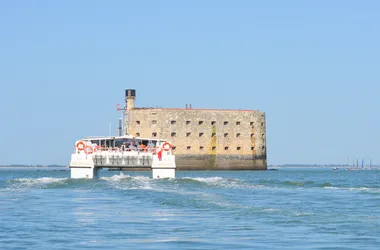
122	142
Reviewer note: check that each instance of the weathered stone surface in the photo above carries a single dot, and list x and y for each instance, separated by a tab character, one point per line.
219	162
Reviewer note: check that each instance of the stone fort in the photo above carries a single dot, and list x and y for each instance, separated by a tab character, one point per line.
203	139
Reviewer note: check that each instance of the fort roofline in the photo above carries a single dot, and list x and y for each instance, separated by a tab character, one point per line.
202	109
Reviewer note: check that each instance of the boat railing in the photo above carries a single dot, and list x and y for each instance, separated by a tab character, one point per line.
99	149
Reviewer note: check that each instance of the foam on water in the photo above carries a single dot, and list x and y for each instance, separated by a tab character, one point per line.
43	182
356	189
225	182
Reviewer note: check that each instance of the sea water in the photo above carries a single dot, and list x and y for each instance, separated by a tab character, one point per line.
285	209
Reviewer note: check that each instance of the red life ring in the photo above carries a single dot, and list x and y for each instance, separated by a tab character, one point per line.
165	148
97	147
88	150
81	146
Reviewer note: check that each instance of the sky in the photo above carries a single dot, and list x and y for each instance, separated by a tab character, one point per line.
312	66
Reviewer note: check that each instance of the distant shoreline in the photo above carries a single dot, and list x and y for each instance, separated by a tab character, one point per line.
33	166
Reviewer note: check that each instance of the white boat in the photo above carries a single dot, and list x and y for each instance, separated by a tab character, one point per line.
120	152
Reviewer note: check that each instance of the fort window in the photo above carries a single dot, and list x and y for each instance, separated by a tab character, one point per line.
200	122
238	148
262	124
187	122
188	134
225	148
263	148
154	122
137	134
153	113
225	134
213	134
138	122
213	148
226	122
188	148
213	122
201	148
251	123
252	148
173	134
173	148
172	122
237	123
252	135
238	135
262	135
154	134
200	134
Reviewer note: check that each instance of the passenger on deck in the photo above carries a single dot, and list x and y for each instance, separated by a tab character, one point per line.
151	144
131	146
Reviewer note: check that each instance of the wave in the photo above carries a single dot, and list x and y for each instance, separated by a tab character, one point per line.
43	182
298	183
357	189
143	182
222	182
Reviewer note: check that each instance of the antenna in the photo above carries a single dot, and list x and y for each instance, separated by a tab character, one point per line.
121	120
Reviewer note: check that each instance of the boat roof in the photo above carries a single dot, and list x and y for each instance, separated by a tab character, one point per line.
121	137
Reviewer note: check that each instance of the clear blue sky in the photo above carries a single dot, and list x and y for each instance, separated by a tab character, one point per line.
312	66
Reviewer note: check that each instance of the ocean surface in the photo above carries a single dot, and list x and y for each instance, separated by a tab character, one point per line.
286	209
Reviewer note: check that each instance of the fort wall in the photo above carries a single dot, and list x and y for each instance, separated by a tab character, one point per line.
204	138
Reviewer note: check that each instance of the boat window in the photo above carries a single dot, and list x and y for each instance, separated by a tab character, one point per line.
97	142
107	143
123	141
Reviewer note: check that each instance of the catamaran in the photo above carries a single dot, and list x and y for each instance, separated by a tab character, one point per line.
122	152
